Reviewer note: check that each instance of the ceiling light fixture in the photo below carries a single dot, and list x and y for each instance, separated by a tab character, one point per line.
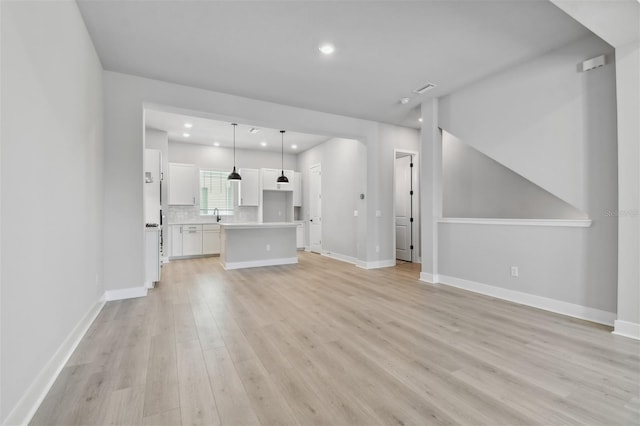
234	175
186	135
216	143
425	88
282	178
188	125
327	48
294	146
263	143
253	130
420	119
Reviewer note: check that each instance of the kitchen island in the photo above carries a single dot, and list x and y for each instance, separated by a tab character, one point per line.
249	245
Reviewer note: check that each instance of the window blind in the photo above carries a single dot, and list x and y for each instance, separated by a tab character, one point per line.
215	192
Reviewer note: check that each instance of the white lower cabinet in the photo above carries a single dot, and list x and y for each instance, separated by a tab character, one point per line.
210	239
176	240
191	240
195	240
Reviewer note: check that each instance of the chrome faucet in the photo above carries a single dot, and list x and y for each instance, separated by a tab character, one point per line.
217	213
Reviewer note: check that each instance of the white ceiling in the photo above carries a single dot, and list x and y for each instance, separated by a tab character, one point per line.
268	50
206	131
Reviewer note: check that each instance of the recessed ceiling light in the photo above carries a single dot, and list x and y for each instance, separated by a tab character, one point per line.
327	48
263	143
253	130
420	119
186	135
216	143
294	146
188	125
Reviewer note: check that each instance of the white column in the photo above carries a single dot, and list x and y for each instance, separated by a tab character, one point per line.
628	103
430	189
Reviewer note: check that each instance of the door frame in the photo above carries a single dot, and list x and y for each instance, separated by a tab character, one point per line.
415	253
311	167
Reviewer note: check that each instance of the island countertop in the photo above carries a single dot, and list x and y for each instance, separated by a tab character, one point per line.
249	245
251	225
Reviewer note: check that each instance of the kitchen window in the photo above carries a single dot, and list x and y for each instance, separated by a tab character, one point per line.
216	192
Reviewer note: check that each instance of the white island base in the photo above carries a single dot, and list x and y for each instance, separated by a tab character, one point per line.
249	245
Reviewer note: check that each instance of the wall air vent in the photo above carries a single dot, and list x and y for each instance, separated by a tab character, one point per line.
425	88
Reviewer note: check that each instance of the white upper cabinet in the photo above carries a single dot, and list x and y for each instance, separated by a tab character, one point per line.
269	177
183	183
297	189
249	187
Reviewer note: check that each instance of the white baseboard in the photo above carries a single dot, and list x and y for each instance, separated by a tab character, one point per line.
259	263
125	293
340	257
26	407
430	278
375	264
626	329
540	302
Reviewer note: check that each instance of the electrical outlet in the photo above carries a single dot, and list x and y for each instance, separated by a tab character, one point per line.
268	247
355	212
377	249
378	213
514	271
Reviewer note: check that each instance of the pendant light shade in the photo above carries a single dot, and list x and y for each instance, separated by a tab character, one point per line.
282	178
234	175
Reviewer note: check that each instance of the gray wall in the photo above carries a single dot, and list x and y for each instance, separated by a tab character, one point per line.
342	182
52	176
544	120
556	127
474	185
391	138
218	158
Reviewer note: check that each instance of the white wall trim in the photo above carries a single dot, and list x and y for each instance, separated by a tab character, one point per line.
540	302
340	257
375	264
259	263
125	293
577	223
626	329
26	407
429	278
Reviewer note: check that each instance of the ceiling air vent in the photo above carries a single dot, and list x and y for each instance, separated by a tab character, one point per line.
425	88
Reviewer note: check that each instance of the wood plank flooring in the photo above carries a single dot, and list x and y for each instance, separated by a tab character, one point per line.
325	343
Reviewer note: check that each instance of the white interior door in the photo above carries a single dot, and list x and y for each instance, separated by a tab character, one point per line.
315	208
403	208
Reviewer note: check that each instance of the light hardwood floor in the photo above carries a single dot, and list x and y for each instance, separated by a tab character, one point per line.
326	343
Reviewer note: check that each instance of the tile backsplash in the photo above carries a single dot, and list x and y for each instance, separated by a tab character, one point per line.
191	214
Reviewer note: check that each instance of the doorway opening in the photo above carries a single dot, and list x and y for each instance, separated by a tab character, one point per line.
406	207
315	208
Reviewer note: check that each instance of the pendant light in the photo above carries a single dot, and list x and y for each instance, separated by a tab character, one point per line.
234	175
282	178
